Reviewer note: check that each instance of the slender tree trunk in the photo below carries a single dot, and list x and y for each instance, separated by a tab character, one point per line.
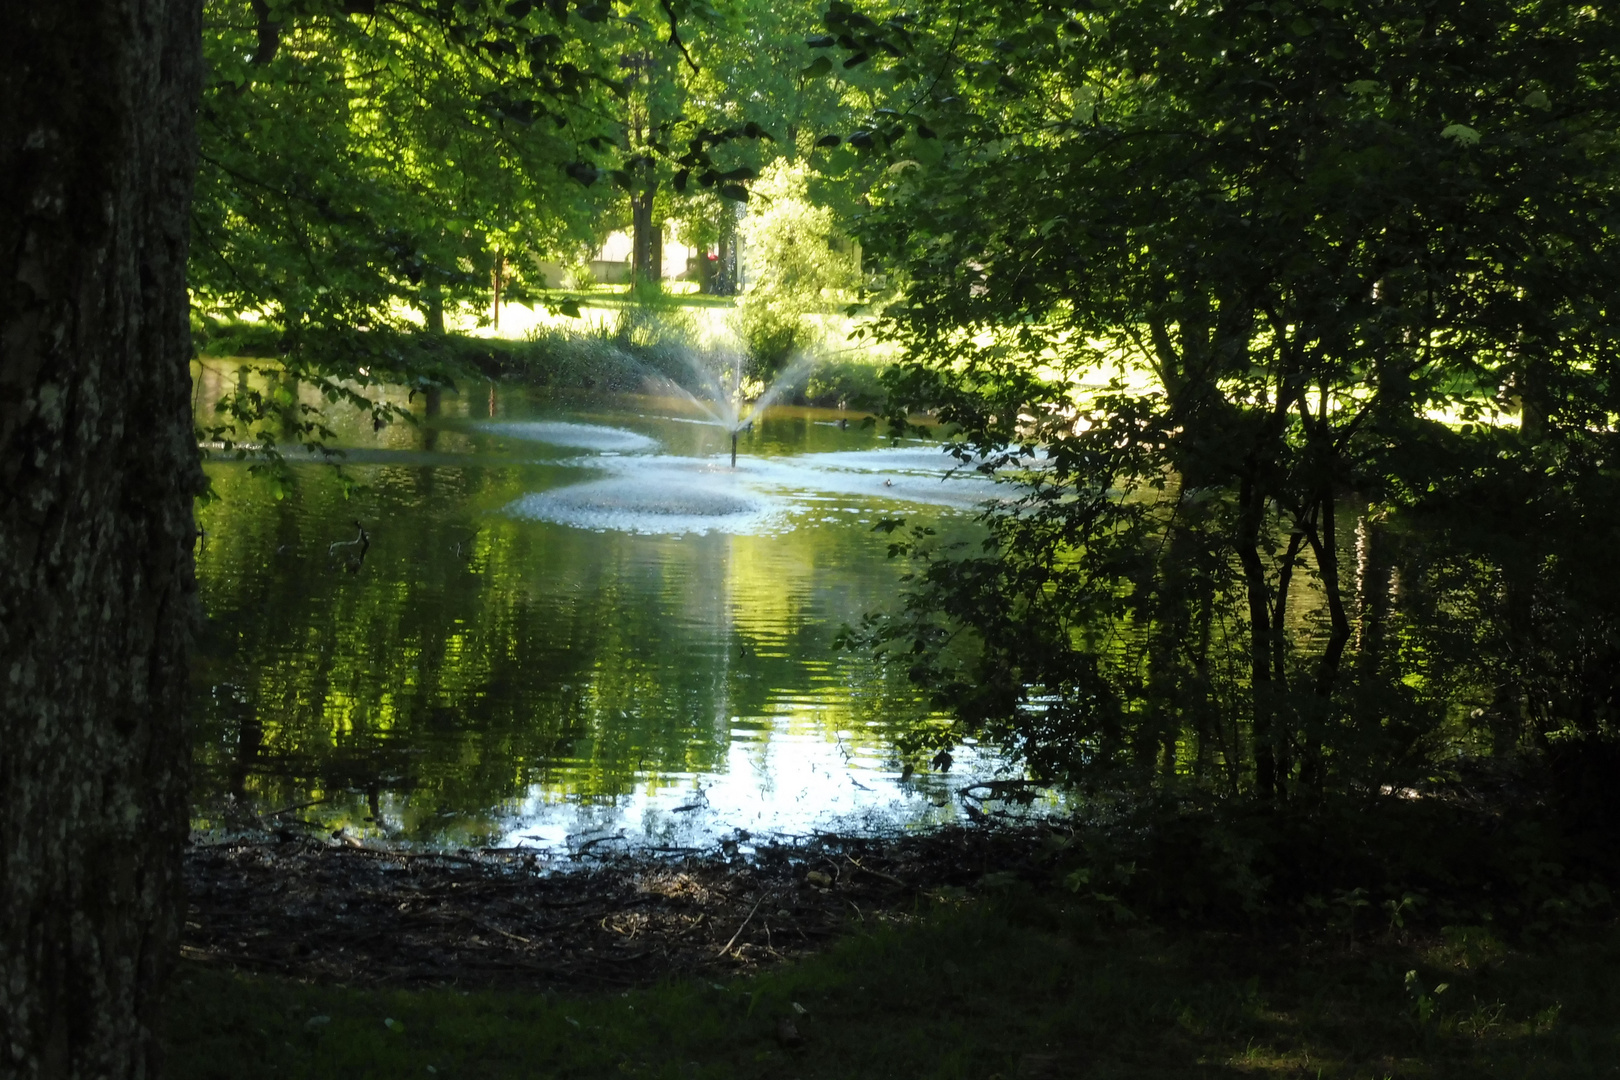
288	414
726	275
1323	535
1325	546
1372	596
1532	392
1279	621
495	276
705	272
1251	509
98	468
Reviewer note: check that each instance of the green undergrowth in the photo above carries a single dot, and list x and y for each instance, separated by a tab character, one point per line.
1012	981
648	341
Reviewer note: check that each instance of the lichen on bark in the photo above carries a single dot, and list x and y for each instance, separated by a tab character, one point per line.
98	469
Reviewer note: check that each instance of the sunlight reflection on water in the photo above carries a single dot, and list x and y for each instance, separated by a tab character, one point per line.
573	621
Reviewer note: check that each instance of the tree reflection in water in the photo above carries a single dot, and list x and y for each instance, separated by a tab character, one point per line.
485	676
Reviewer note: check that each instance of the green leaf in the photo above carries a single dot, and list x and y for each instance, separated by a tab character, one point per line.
1462	133
821	66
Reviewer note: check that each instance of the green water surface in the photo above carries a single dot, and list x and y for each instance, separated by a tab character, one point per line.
551	644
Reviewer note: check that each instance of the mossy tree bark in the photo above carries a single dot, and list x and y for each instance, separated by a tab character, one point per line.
98	468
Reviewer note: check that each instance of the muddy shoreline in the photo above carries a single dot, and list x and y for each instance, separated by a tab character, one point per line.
508	919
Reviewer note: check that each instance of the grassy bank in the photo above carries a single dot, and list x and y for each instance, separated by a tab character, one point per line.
1013	983
616	346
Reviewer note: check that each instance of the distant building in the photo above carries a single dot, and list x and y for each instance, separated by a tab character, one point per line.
610	263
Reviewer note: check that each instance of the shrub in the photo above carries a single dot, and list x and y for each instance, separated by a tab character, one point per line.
796	268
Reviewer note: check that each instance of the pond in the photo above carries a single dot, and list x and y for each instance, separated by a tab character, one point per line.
572	624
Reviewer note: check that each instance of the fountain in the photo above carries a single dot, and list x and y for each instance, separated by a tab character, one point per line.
727	405
637	484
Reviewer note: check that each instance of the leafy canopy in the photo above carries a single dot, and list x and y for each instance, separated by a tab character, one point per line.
1204	279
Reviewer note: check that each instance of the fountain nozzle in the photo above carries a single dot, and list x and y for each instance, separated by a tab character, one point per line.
734	432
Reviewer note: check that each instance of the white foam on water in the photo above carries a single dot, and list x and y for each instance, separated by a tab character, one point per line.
654	495
574	436
666	494
900	474
932	460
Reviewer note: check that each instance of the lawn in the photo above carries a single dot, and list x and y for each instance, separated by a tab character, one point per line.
1018	983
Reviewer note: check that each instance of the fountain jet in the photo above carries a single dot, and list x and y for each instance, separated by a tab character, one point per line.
725	405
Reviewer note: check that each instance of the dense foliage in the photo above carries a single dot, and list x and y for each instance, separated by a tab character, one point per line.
798	264
1246	298
1288	321
369	168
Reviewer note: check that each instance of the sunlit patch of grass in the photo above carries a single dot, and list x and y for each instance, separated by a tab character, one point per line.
1025	986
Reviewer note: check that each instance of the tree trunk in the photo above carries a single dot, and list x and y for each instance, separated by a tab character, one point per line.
434	312
705	272
98	468
726	275
495	276
641	233
1325	547
1373	571
1268	775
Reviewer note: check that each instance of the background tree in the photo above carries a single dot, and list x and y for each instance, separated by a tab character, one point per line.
1311	241
369	167
359	163
759	73
96	591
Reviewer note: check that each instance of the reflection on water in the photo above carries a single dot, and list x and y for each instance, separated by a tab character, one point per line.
573	620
